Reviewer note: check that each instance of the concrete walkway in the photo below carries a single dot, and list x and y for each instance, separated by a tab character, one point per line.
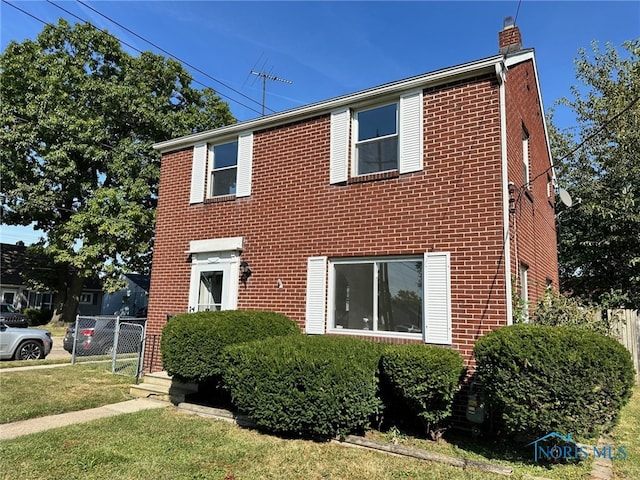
34	425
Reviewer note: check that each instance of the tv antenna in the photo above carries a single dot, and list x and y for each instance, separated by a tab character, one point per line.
267	76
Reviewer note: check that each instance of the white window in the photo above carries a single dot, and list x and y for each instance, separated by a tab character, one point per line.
378	295
222	168
389	296
525	158
86	298
376	142
387	137
215	271
223	161
524	291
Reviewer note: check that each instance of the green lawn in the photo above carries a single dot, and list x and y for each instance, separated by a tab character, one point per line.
168	444
627	434
35	393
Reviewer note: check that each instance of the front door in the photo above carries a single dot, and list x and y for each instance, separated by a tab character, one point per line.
211	291
214	282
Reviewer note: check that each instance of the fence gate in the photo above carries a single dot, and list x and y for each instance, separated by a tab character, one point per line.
128	347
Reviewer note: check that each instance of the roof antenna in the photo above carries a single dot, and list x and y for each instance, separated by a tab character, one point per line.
267	76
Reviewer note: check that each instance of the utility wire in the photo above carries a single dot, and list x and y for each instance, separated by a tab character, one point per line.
164	51
193	67
586	140
123	43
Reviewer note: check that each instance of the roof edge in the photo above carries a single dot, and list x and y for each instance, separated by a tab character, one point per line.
326	106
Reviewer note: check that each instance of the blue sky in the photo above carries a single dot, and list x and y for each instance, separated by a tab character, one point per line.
328	49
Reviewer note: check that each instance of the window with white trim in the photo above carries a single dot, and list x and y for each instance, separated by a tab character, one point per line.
383	138
376	139
378	295
524	291
86	298
525	158
223	166
399	296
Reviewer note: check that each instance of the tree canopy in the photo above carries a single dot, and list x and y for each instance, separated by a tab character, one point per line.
78	118
599	164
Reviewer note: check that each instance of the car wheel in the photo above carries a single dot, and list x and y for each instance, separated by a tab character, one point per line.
29	350
107	350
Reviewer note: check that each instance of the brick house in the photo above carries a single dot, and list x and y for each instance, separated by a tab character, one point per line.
409	212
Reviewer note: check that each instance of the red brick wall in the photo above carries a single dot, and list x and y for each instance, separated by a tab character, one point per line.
454	205
533	223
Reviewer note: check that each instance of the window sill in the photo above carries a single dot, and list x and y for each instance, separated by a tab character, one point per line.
371	333
220	199
373	177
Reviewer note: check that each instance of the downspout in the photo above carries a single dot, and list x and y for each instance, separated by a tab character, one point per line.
501	71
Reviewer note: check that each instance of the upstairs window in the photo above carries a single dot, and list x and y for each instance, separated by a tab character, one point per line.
224	163
525	158
377	140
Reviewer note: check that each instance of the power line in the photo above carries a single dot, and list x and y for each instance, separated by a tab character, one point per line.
586	140
123	43
193	67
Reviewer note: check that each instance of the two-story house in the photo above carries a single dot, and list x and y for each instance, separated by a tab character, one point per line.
409	212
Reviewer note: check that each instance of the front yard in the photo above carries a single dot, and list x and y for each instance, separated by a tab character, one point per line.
168	444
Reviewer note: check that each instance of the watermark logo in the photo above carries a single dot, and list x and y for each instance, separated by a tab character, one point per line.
555	446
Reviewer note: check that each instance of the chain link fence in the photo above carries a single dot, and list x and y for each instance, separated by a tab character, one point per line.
116	341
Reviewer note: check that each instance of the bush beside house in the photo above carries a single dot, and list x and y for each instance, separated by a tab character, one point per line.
539	379
192	343
419	382
318	387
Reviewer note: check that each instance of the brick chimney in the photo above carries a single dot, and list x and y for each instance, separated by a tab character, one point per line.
509	39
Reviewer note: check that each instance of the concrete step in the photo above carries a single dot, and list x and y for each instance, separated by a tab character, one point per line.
163	378
162	387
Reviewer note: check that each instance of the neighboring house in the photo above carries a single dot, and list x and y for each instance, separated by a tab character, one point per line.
130	300
409	212
13	262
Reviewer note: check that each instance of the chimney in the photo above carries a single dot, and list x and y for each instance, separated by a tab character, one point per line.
509	38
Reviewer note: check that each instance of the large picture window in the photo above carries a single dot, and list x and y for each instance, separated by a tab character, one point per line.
383	295
377	139
224	162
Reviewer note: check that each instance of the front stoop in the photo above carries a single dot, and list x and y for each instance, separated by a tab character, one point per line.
161	386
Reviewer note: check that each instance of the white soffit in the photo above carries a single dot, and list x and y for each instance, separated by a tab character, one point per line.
215	245
421	81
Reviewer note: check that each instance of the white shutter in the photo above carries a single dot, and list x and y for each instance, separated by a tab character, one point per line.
198	169
411	132
437	295
339	146
245	164
316	294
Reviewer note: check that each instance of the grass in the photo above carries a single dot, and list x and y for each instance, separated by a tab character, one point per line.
165	444
170	444
35	393
627	434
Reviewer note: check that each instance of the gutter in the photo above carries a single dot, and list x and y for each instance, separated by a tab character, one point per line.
422	81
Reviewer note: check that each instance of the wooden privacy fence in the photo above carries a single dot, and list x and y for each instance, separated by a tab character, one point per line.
626	328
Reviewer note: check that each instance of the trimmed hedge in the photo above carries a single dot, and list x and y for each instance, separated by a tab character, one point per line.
192	343
541	379
313	387
422	380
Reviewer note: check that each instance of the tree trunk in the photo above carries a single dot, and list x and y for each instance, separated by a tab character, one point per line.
73	297
60	293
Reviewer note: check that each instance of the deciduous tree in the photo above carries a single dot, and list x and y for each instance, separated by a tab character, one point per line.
78	117
599	236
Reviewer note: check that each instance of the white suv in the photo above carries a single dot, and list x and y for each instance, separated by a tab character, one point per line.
24	343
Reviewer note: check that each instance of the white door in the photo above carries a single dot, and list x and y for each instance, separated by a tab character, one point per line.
214	282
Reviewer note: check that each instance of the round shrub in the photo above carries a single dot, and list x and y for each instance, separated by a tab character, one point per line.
313	387
192	343
541	379
422	381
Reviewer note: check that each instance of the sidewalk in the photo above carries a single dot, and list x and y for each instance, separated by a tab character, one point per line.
34	425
